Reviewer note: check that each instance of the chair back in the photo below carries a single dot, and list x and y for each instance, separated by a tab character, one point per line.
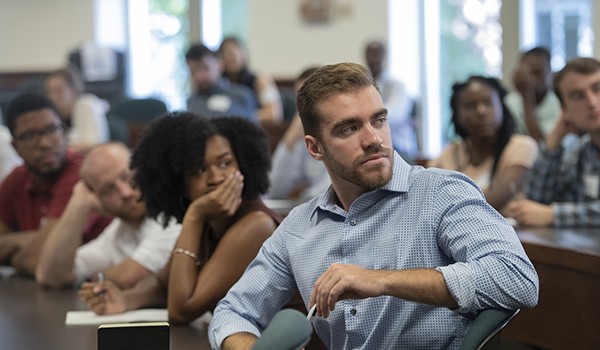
486	328
137	113
139	109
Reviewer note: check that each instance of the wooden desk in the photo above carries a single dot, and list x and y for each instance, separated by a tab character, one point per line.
568	312
32	317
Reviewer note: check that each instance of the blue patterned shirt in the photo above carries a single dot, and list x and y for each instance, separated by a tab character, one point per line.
569	181
423	218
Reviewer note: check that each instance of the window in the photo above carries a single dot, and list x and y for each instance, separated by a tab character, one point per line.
456	39
564	27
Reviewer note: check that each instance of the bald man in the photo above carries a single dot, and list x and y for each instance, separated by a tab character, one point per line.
129	249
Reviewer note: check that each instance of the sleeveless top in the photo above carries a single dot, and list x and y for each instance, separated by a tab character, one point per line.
209	241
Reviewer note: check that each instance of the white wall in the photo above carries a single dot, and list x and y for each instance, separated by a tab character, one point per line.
38	34
281	44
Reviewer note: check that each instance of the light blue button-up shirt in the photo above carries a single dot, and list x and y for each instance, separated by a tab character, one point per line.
423	218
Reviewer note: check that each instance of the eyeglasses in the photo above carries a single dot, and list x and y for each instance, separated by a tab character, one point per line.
30	138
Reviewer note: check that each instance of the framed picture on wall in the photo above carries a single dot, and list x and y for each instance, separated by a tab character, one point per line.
315	11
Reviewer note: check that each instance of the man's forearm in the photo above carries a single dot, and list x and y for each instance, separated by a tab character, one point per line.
25	261
56	261
239	341
422	285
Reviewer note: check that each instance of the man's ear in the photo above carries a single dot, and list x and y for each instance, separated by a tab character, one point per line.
314	147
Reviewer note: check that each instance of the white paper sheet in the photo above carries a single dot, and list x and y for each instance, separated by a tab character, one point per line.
89	317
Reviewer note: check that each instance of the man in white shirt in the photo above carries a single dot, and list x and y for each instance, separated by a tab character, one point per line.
129	249
8	156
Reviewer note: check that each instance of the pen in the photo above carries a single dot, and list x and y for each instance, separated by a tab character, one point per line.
100	279
312	312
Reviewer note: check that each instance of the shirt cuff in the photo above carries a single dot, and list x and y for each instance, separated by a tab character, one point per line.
219	333
460	280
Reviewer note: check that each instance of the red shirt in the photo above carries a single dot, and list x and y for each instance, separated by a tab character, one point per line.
24	205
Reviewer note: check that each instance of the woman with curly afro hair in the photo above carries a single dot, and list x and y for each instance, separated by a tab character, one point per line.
489	151
208	175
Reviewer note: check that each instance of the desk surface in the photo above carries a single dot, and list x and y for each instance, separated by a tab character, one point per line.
568	312
32	317
568	262
584	240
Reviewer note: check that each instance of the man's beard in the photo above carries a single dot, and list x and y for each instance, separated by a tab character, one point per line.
376	177
48	175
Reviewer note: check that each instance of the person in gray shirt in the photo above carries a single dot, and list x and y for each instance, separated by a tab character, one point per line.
215	96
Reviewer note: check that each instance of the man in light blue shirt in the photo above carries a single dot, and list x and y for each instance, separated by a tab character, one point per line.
393	256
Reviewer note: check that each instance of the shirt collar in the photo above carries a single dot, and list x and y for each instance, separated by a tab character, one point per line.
398	183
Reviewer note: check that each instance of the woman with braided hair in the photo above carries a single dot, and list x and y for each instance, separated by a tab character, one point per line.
489	151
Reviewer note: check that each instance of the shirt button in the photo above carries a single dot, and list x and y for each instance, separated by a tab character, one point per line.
352	222
352	312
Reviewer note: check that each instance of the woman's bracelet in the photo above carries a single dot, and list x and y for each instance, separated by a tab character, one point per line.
187	253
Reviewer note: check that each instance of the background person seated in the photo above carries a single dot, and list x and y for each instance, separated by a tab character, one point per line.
295	174
34	195
234	57
563	188
132	247
214	95
490	153
83	114
534	105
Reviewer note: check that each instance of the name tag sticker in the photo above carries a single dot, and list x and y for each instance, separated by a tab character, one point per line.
592	183
219	103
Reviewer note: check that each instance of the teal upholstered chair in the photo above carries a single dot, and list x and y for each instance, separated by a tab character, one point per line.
137	114
117	129
485	329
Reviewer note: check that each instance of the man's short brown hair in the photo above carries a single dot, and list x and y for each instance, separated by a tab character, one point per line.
580	65
326	81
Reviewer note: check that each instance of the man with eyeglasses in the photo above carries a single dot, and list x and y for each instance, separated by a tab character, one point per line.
131	248
34	195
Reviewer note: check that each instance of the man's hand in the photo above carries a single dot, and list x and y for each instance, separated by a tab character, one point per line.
85	198
341	282
562	127
523	80
224	201
11	243
530	213
104	298
7	250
